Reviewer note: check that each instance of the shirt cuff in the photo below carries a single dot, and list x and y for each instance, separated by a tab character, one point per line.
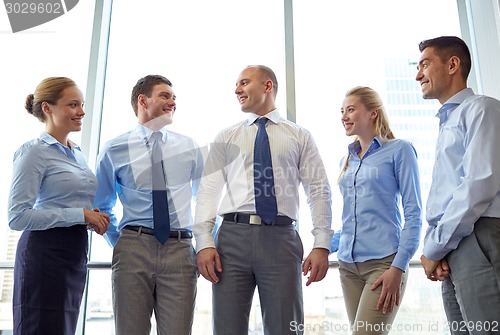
74	216
401	262
204	241
433	252
323	239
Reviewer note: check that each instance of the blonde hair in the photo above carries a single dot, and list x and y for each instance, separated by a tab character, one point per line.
49	90
371	100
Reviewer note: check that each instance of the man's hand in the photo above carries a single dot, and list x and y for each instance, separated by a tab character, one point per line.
316	264
442	271
208	261
435	270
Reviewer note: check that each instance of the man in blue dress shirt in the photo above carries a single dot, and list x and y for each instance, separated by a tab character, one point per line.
147	272
462	243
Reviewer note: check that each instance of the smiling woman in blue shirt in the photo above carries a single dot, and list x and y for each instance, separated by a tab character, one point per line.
51	200
379	174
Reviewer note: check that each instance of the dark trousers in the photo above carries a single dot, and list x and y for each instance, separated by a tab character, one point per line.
49	279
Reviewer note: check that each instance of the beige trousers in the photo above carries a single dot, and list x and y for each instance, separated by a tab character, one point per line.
361	301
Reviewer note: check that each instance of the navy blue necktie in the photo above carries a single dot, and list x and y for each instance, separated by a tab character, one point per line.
265	196
443	111
161	216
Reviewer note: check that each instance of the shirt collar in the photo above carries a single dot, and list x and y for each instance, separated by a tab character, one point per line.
273	115
145	133
460	97
50	140
455	100
355	147
72	145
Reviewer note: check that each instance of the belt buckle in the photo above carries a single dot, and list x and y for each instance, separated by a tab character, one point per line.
254	219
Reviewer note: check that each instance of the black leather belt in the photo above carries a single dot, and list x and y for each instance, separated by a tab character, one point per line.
149	231
255	219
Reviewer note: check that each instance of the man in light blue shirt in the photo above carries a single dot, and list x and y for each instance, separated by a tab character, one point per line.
147	272
462	243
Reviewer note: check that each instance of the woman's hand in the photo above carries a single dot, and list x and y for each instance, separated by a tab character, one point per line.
96	220
391	289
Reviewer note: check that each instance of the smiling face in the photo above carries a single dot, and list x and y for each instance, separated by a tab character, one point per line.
254	93
434	76
357	119
66	114
158	109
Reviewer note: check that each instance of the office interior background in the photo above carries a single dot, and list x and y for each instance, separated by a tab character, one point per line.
318	48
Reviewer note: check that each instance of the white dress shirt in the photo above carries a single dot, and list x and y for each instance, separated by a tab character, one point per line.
295	159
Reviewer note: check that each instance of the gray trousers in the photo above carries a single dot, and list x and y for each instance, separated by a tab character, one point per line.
471	294
361	301
269	257
148	276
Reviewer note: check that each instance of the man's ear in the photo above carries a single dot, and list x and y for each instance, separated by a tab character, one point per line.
142	101
453	65
269	85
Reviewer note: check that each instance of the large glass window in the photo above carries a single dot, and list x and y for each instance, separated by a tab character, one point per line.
201	47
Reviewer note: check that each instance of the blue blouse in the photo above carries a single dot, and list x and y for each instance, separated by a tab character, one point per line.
51	185
374	187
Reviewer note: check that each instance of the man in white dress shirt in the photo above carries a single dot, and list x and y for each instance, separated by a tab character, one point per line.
252	250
